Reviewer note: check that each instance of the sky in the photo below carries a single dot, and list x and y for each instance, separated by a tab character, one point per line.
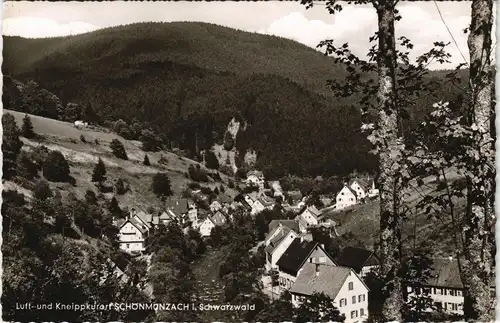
421	21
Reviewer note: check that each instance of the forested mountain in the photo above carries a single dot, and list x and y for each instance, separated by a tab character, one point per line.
186	81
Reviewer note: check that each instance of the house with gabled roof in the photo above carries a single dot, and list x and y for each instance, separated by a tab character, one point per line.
347	290
145	219
298	253
445	287
132	235
183	210
346	197
277	245
255	178
277	225
310	216
362	261
219	218
206	227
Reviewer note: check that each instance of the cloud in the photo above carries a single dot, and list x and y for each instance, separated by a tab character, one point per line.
32	27
355	25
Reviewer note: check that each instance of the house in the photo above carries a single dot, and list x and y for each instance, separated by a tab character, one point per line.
342	284
362	261
132	235
267	202
275	226
346	197
257	207
145	219
163	217
219	218
215	206
445	287
278	245
255	178
298	253
182	209
310	215
364	187
206	227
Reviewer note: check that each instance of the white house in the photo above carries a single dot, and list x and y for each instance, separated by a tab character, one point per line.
255	178
215	206
310	215
278	245
275	226
257	207
277	190
346	197
206	227
132	236
183	210
342	284
296	256
445	287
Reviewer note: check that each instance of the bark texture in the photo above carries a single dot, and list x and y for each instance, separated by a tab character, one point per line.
389	154
478	270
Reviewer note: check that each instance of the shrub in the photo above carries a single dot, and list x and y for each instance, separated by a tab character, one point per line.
56	168
161	185
27	127
120	187
118	149
194	185
82	139
211	160
206	190
197	174
146	161
42	190
99	173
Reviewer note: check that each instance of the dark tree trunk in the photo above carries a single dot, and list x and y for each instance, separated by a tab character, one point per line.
477	267
389	153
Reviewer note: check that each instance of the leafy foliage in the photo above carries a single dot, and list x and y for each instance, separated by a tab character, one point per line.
27	128
161	185
99	172
11	144
56	168
118	149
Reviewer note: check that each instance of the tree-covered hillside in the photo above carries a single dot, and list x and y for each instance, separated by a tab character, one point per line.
186	81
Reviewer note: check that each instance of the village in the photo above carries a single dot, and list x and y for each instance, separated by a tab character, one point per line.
294	262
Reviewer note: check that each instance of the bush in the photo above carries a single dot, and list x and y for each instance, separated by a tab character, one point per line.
42	191
150	141
27	127
26	167
120	187
161	185
228	141
99	173
206	190
211	160
146	161
197	174
56	168
118	149
194	186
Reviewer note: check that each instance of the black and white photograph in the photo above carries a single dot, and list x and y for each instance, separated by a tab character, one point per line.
266	161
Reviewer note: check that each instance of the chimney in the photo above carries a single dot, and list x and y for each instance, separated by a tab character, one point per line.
317	270
301	239
322	246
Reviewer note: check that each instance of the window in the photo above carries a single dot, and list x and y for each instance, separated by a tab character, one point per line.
310	260
362	312
354	299
438	291
343	302
361	298
351	286
354	314
322	260
128	245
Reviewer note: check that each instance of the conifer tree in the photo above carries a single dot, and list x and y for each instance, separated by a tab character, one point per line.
27	127
99	174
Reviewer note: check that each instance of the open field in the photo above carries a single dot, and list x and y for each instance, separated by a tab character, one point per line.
82	157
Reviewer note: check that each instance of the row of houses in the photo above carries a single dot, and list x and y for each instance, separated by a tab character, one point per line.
304	267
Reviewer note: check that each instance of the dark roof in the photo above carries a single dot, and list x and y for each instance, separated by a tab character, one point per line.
277	239
292	224
178	206
365	183
329	280
296	254
356	258
136	224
